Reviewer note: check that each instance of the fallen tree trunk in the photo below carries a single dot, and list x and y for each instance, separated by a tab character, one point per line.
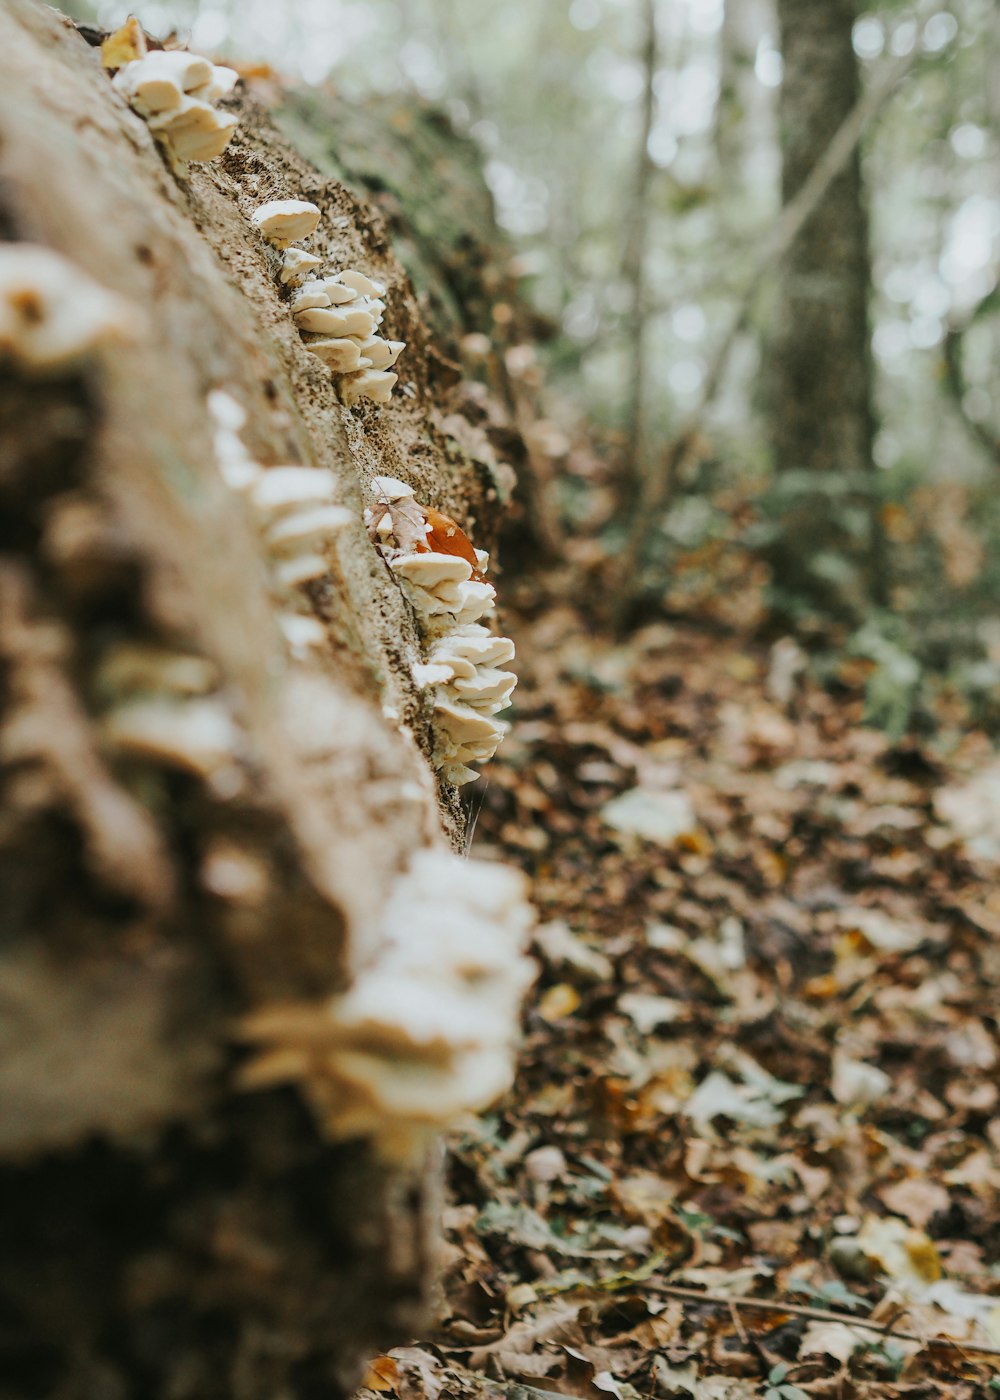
207	804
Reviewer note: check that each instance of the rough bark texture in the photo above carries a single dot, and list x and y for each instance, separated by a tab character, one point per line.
161	1233
821	414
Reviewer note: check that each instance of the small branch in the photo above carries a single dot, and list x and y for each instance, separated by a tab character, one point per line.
652	497
635	259
884	1329
955	375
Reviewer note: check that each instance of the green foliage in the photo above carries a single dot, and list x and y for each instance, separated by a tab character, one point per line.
778	1389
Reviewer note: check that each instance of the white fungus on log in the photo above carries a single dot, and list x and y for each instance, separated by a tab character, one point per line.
286	221
297	264
427	1032
295	513
339	315
175	91
52	315
162	706
443	578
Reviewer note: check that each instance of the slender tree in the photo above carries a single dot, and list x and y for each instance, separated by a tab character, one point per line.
820	382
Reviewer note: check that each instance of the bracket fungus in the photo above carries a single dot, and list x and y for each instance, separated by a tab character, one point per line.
339	318
174	91
52	314
286	221
427	1032
443	577
295	513
163	706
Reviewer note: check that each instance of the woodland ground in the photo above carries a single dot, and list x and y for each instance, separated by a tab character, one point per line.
760	1060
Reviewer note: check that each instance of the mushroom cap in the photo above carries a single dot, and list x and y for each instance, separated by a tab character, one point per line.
219	85
382	353
194	130
287	488
342	354
299	569
227	411
198	736
477	599
430	570
290	534
476	644
373	384
296	264
51	313
335	321
358	282
337	292
428	673
132	668
459	774
488	684
463	724
159	81
390	488
308	297
303	634
284	221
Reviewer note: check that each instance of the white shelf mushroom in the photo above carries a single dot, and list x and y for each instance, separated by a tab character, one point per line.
174	90
296	515
297	264
52	315
429	1028
285	221
337	316
462	667
373	384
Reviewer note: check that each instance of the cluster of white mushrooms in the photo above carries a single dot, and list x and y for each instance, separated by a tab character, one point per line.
295	512
427	1031
166	707
443	578
175	91
52	315
338	315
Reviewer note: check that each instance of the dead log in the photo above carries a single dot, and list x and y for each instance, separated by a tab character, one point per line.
164	1230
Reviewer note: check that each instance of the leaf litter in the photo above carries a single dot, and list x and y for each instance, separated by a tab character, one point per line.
753	1147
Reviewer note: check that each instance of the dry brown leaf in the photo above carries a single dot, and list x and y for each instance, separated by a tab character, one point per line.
125	45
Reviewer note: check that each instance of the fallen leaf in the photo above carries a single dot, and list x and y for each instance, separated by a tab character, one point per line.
905	1255
836	1339
662	817
857	1084
647	1011
916	1199
125	45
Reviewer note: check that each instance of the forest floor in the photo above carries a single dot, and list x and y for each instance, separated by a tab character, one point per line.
753	1148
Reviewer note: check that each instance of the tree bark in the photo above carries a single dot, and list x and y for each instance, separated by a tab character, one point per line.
163	1232
826	558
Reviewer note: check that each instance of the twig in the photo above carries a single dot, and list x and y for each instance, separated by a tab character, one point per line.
636	257
885	1329
653	493
955	374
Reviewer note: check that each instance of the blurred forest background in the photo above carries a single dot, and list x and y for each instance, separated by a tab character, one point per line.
761	239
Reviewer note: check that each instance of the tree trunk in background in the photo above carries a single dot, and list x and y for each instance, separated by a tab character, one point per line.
164	1230
825	558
